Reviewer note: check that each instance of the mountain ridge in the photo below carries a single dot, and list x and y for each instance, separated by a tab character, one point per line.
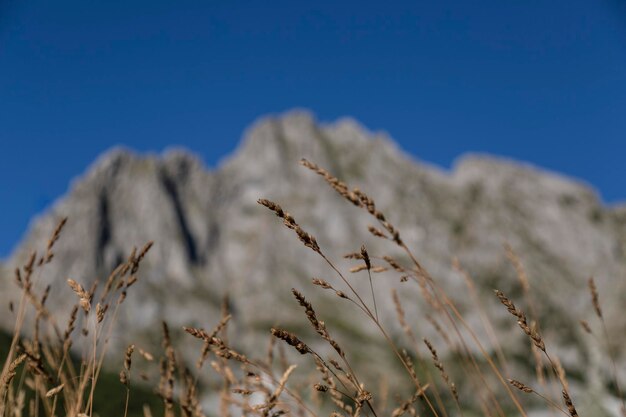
459	163
264	149
212	239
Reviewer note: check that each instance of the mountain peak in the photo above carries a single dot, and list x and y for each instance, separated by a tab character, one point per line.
211	238
277	142
112	159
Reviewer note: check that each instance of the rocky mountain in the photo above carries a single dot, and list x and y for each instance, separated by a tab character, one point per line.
212	238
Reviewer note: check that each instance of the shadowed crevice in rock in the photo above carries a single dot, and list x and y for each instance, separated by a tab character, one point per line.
104	229
188	239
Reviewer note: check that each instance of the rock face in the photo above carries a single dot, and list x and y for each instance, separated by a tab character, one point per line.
212	238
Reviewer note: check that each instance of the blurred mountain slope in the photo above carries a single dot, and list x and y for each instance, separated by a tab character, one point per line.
212	238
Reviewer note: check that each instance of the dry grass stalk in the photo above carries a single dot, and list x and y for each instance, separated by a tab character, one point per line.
409	363
560	372
49	372
101	311
272	400
331	386
442	371
270	352
84	296
54	391
406	405
521	320
528	390
369	204
292	340
356	197
227	353
440	331
318	325
321	283
11	372
307	239
198	333
211	339
595	301
190	404
538	364
168	370
558	369
568	403
402	317
128	357
585	325
134	267
519	267
358	268
146	355
484	318
49	375
423	277
368	264
376	232
334	182
520	386
53	239
397	267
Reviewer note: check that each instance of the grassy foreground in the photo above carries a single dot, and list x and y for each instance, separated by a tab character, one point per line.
55	366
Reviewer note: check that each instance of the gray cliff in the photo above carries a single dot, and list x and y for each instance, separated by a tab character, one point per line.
212	238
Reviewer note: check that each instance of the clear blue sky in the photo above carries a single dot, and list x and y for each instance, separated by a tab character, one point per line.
542	81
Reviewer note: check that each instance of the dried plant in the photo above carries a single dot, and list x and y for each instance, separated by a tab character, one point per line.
41	377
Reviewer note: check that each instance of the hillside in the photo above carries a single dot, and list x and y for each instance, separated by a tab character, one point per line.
212	238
